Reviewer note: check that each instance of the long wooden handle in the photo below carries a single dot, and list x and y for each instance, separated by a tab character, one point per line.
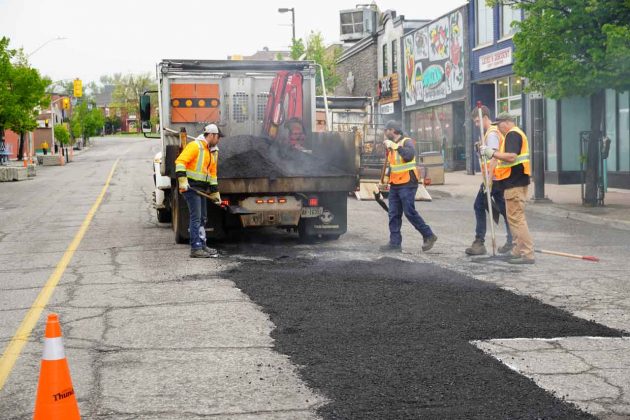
565	254
384	166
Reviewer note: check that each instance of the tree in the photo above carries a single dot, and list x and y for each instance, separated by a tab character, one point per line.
327	58
297	49
62	135
22	93
6	100
127	90
87	121
575	47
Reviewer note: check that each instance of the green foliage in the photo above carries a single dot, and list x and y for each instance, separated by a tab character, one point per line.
62	135
297	49
573	47
86	122
128	88
327	58
22	92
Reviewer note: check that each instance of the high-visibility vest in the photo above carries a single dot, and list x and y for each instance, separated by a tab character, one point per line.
198	162
399	171
504	169
492	129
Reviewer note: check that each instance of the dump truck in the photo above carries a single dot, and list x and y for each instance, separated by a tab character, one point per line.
264	179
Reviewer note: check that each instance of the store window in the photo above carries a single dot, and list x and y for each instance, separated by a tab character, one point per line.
394	56
611	128
551	135
509	91
484	17
385	65
575	117
509	14
623	100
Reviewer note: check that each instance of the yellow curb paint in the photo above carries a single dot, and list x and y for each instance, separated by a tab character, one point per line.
19	340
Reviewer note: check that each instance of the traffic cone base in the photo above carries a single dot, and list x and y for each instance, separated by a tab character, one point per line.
55	394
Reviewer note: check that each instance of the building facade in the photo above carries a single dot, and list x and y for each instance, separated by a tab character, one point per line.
436	87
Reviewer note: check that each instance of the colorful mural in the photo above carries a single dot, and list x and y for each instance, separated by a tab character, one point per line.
410	85
434	57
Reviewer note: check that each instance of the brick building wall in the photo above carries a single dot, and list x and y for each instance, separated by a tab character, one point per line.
361	60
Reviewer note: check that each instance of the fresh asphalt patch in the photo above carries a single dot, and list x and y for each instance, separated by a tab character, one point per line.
391	339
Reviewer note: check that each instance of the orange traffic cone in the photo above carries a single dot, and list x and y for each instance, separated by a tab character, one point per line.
55	395
24	162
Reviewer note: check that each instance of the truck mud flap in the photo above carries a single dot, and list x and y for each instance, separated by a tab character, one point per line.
333	220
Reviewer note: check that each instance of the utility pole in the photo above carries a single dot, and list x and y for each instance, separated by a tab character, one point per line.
292	10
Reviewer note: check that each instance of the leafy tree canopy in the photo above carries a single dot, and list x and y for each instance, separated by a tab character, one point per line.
573	47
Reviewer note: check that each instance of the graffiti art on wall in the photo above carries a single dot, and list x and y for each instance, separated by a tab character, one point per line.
456	76
410	85
434	57
421	40
439	38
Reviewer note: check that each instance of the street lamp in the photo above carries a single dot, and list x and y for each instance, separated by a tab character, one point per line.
292	10
58	38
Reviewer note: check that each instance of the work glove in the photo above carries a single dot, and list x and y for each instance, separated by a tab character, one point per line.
486	151
390	144
215	197
183	184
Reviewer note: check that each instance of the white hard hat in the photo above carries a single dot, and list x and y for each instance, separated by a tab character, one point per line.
212	129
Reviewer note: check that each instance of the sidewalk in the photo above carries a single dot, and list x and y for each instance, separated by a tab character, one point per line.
565	200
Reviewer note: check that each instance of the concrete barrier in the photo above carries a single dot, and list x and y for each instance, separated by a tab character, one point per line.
52	160
13	173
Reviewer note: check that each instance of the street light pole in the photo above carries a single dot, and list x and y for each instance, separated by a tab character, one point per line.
292	10
58	38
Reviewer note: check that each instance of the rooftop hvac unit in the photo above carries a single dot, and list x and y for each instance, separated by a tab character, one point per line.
356	24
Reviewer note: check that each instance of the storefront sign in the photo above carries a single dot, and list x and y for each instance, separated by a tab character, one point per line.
387	89
496	59
387	108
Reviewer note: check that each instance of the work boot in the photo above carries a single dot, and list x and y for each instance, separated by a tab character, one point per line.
390	248
213	252
507	247
521	260
429	242
477	248
200	253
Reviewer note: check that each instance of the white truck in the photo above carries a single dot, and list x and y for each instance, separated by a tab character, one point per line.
252	101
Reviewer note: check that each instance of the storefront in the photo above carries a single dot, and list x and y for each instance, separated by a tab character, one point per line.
436	88
493	82
565	122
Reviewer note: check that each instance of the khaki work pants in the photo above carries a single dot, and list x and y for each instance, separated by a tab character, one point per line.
515	209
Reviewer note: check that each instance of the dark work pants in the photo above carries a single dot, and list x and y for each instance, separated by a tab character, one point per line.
402	200
198	209
480	212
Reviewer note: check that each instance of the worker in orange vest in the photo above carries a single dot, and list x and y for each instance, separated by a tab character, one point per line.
513	177
196	169
403	184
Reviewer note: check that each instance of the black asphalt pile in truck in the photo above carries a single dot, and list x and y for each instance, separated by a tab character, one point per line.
248	156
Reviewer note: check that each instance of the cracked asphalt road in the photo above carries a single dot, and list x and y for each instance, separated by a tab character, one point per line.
151	334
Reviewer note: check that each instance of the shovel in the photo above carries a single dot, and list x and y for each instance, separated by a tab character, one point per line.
378	197
238	210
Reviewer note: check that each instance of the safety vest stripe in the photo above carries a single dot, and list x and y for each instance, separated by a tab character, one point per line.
403	167
180	167
199	176
519	159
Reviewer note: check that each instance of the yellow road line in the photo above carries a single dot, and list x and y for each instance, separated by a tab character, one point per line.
19	340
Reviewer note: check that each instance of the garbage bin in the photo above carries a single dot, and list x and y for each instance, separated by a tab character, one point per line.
432	166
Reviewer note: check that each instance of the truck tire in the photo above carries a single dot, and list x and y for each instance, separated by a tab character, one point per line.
305	237
163	216
180	219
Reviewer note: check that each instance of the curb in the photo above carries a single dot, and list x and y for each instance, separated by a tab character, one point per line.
550	209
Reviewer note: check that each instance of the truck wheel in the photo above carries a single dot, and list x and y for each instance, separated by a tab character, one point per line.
180	219
305	237
163	216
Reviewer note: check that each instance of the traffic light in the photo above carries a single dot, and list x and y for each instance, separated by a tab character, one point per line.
65	103
78	88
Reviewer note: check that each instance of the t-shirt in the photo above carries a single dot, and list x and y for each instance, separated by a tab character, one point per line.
517	178
493	142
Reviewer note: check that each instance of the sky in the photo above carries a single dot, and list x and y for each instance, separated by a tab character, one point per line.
132	36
